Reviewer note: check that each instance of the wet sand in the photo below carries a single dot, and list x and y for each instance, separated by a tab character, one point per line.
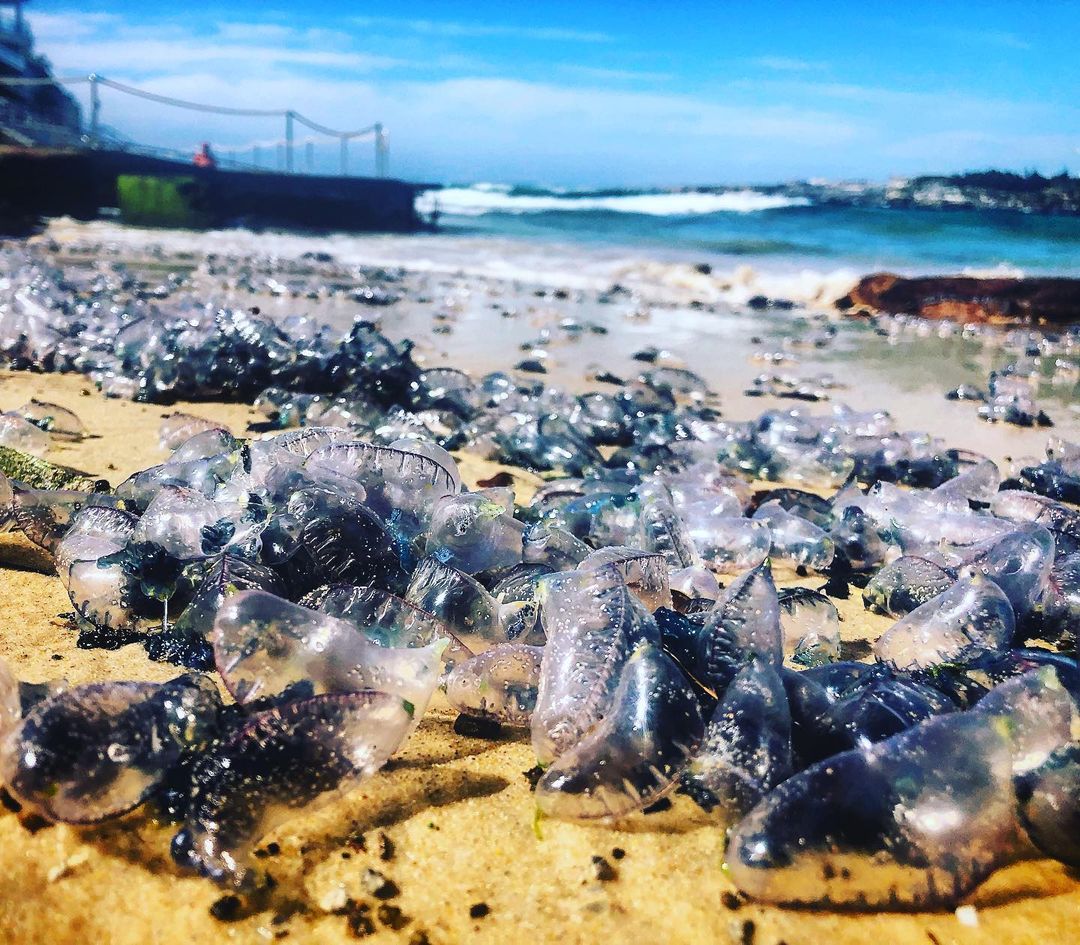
457	811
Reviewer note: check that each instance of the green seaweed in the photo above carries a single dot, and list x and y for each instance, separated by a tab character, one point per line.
41	474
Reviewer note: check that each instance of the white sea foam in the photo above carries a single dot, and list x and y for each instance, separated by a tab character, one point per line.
570	266
1002	270
677	282
491	198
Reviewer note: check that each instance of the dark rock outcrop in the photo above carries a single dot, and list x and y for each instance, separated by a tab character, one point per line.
967	299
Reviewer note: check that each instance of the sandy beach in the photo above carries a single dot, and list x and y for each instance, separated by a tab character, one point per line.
456	814
539	473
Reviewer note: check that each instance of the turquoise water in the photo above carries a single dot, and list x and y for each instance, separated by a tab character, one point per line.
866	239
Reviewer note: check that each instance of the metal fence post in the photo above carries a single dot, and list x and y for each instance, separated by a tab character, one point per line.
380	150
95	109
289	141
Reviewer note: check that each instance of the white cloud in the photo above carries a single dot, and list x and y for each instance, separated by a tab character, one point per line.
455	30
279	33
928	106
119	57
65	27
995	38
787	64
616	75
269	32
110	46
978	149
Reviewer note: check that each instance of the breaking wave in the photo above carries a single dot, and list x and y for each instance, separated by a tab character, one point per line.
482	199
556	265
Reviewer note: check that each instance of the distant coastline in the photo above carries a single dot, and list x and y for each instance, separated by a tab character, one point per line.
974	190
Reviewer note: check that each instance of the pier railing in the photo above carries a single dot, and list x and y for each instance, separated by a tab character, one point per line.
96	135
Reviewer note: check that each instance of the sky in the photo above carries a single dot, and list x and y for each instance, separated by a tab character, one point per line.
599	94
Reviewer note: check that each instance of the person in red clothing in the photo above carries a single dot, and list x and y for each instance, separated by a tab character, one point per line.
204	157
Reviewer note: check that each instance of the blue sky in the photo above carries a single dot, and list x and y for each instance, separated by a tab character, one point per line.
604	93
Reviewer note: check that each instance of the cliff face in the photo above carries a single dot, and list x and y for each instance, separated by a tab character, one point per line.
966	299
980	190
990	190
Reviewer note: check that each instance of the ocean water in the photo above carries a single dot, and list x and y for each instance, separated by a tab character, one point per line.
770	234
678	247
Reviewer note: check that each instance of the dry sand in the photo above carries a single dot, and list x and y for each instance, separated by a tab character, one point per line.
457	811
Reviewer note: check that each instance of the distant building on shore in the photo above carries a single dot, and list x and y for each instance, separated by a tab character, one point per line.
39	112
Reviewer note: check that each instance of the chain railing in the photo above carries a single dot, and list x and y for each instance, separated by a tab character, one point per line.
96	138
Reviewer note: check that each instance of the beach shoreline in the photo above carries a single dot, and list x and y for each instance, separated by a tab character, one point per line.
571	324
